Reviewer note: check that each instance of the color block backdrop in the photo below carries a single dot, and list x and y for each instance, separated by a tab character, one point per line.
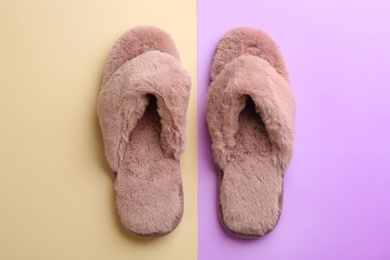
56	193
336	203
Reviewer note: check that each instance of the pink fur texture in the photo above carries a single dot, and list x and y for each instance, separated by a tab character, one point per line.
135	42
250	115
142	113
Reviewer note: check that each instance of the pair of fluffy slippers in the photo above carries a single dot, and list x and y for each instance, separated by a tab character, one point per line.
250	114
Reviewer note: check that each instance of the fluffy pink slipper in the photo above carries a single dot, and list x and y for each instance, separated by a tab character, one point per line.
142	112
250	115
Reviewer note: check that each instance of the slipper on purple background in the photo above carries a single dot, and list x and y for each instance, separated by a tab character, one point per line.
250	116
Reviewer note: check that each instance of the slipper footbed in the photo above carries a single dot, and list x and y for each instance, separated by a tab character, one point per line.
148	187
251	188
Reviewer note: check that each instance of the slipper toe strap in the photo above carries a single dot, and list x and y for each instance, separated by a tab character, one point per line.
251	77
125	96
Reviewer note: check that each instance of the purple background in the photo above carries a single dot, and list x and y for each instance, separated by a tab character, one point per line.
337	189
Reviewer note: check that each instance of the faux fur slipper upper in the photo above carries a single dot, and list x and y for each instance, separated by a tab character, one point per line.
250	116
142	113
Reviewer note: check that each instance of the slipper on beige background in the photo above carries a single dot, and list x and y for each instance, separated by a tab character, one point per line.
250	116
142	113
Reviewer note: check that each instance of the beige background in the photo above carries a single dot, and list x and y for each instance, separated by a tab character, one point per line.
56	191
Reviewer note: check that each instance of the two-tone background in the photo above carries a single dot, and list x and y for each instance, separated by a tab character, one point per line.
56	192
